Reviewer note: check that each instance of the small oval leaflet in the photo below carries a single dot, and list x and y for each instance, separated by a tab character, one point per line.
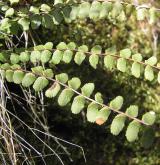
37	70
36	21
35	56
65	97
9	75
151	61
87	89
132	131
57	57
40	84
84	10
121	64
62	77
93	59
24	57
117	8
9	12
14	58
109	62
98	97
74	83
132	110
48	73
125	53
61	46
79	58
24	22
117	102
137	57
102	115
45	56
117	124
28	79
53	90
95	10
67	56
148	73
18	77
149	118
78	104
136	69
92	112
106	8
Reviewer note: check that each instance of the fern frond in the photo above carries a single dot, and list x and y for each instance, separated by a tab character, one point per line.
49	15
97	111
124	60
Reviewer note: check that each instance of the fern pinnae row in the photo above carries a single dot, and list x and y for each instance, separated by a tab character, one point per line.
116	56
101	104
104	54
84	96
67	52
94	101
126	3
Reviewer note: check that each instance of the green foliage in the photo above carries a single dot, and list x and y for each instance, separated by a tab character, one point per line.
78	104
125	53
84	9
132	110
13	1
65	53
28	79
67	56
53	90
9	75
40	84
102	115
121	65
48	73
74	83
99	97
9	12
63	77
80	56
117	102
65	97
14	58
136	69
149	117
24	57
35	56
117	124
132	131
92	112
41	43
45	56
57	57
148	138
24	22
18	76
87	89
149	74
37	70
95	10
106	8
109	62
151	61
93	59
137	57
